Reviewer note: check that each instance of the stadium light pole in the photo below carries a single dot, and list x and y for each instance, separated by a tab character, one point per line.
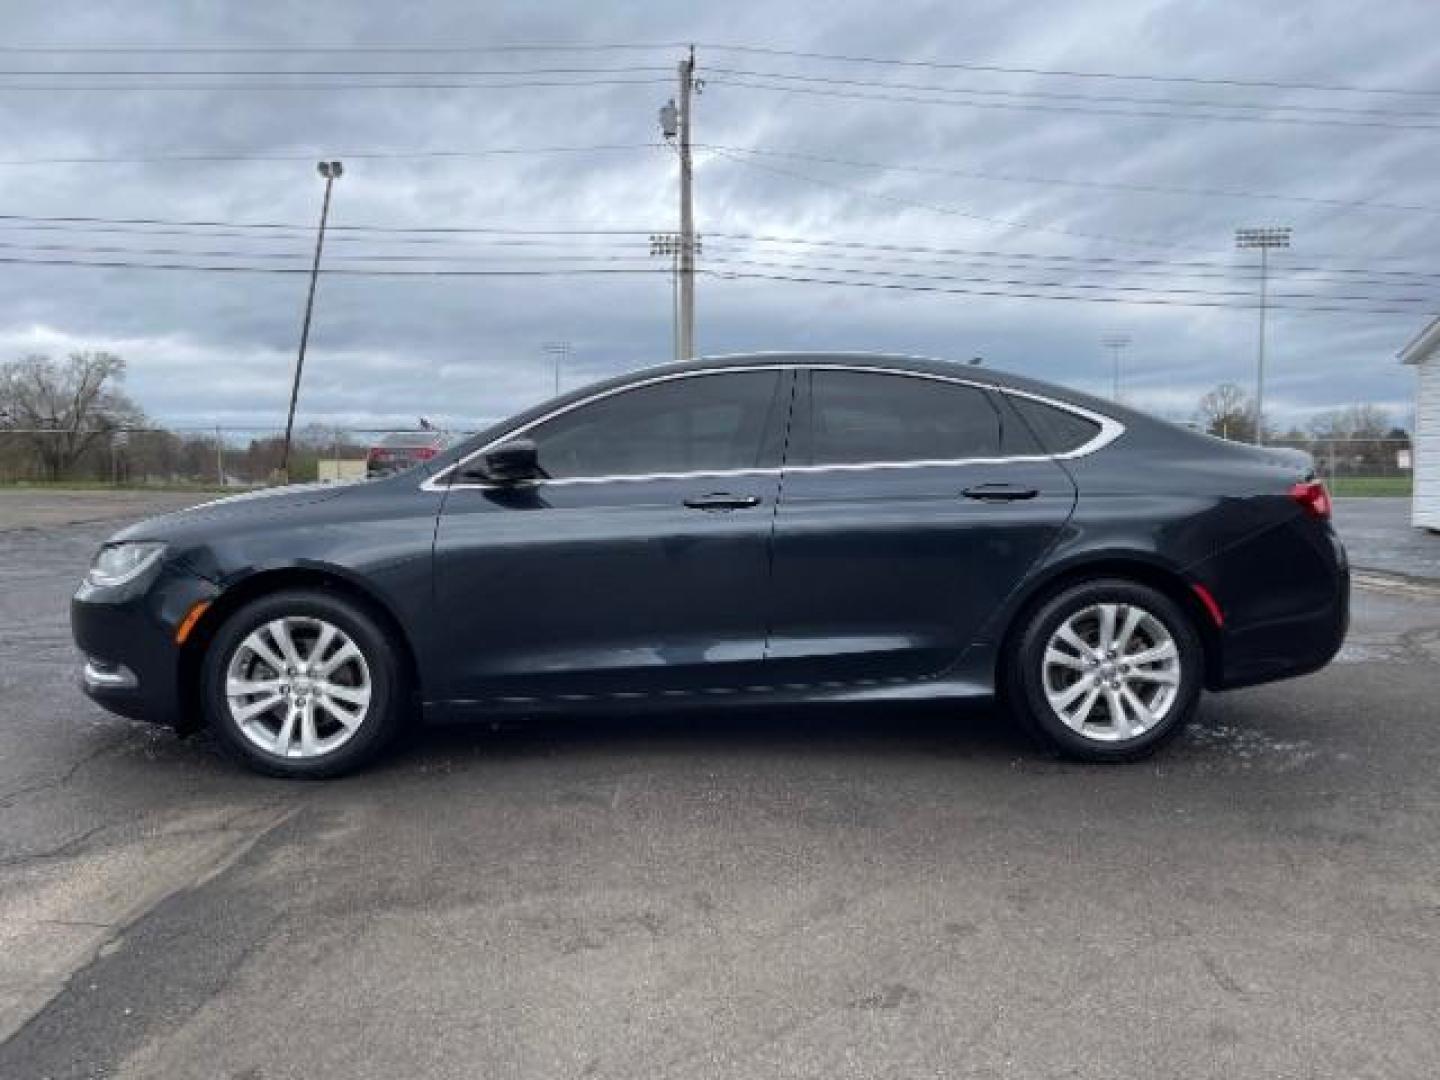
1116	344
1270	236
331	171
560	350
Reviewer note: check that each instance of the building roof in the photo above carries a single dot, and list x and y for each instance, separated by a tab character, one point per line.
1423	345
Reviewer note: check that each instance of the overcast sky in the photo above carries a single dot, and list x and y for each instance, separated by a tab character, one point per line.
1024	165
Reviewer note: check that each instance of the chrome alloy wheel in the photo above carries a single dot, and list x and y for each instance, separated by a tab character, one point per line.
298	687
1111	672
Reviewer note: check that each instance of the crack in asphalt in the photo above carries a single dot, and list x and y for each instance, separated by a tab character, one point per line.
7	798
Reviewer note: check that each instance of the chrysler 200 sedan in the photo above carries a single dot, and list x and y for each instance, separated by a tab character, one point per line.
762	529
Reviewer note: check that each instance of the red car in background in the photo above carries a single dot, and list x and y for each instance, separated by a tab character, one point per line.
400	450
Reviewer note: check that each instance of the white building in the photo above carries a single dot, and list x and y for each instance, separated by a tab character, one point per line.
1424	353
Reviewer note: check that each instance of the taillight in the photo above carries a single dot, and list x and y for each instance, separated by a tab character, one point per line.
425	453
1313	498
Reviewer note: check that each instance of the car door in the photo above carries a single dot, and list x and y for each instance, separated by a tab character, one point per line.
640	566
908	514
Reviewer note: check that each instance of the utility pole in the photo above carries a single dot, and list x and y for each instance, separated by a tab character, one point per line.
1116	343
560	350
1274	236
331	171
675	125
669	245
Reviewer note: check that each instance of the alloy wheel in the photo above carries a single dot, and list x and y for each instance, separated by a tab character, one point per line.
1111	671
298	687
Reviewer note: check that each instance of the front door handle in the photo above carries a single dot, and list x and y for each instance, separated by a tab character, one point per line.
722	500
1000	492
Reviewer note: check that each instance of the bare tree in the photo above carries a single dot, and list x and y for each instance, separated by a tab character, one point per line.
61	410
1226	411
1351	422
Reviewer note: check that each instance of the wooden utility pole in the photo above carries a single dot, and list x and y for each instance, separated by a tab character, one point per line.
687	213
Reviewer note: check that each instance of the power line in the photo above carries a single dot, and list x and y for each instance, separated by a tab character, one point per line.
312	155
311	86
866	259
515	236
1148	302
1218	300
318	50
655	46
1072	73
309	72
1054	95
119	264
1153	114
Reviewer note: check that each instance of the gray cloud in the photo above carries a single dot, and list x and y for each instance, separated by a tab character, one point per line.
207	348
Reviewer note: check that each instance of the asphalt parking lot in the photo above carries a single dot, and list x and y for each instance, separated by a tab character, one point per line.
897	893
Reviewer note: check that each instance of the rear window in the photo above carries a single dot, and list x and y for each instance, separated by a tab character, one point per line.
1060	431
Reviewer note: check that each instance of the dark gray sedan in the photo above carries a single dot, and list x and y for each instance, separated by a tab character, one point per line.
760	529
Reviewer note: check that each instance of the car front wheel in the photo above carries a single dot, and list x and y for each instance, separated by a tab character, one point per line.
302	684
1106	670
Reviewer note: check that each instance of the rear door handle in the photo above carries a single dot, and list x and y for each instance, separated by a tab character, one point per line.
722	500
1000	492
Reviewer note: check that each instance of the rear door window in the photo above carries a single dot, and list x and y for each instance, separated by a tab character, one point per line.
861	417
1060	431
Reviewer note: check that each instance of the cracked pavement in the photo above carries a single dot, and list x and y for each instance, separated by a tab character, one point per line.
857	893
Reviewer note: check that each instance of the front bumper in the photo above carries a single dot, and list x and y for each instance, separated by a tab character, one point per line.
132	662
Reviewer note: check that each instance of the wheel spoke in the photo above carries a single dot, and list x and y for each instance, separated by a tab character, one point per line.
1063	659
350	694
1063	699
1107	627
1168	676
327	637
286	734
343	655
347	719
1067	634
280	631
1145	719
257	644
1078	716
1133	615
245	713
1164	651
246	687
308	743
1118	719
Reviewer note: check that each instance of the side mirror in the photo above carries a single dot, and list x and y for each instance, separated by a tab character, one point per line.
509	463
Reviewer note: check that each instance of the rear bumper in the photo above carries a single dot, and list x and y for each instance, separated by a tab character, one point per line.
1285	595
132	664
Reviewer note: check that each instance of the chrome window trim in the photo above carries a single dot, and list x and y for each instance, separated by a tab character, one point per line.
1110	430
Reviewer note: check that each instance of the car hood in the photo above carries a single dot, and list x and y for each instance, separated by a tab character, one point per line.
269	501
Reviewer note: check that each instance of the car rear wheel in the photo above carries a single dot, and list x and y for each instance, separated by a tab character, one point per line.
303	684
1106	670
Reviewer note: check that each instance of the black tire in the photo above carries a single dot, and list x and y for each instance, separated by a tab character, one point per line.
382	718
1024	687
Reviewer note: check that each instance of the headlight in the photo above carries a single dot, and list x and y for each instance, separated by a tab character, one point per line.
115	564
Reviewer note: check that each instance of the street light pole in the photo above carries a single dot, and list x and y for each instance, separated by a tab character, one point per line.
331	171
1277	236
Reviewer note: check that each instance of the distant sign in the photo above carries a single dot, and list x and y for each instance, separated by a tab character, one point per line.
1402	458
